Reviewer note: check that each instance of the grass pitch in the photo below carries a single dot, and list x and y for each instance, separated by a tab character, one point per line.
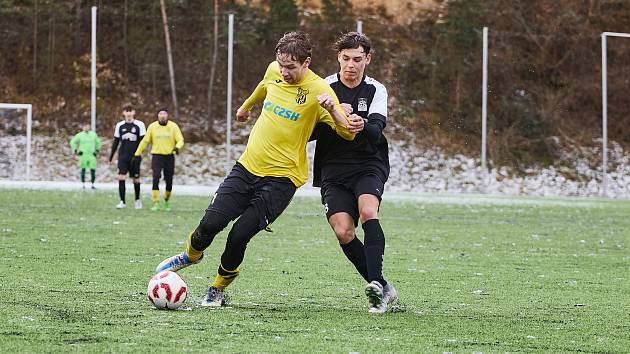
474	274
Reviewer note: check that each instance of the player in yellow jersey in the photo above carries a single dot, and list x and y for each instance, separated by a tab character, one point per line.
166	140
273	165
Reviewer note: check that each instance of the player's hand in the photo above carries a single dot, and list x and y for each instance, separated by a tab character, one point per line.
94	154
242	115
176	151
347	108
357	123
326	102
80	153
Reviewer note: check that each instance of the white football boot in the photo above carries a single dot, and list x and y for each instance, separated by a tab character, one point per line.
214	298
176	263
390	295
137	204
376	303
121	205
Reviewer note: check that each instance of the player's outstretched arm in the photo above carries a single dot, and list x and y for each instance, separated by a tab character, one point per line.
144	142
328	103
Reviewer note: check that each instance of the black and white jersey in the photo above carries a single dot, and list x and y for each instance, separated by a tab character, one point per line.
129	135
337	158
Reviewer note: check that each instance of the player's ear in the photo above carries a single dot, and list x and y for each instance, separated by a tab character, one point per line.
368	58
307	62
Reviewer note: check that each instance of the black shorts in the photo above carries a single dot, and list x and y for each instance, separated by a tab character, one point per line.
125	166
164	163
343	196
241	189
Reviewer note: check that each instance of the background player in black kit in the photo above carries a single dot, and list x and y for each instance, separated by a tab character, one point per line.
352	174
128	133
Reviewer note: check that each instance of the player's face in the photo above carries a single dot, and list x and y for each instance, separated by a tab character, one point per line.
129	115
291	69
352	63
163	117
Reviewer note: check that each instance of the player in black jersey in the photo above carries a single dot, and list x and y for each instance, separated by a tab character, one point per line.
128	133
352	174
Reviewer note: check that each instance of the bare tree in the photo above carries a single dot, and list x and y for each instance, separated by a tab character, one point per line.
215	49
51	46
125	49
77	26
35	24
169	56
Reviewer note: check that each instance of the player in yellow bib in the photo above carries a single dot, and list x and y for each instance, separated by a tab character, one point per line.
166	140
273	165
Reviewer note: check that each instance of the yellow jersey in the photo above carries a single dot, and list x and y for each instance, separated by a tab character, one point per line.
163	139
277	142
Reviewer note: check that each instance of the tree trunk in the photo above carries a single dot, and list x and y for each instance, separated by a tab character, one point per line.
153	65
125	49
35	24
169	57
51	46
77	27
215	49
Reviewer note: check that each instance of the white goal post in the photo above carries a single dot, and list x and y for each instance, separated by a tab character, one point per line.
29	125
605	109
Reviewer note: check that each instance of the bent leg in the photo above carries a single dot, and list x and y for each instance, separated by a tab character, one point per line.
343	226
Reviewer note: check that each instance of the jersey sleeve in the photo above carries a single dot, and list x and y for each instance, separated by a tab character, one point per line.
74	142
145	141
117	130
327	118
261	90
97	143
179	138
142	130
378	107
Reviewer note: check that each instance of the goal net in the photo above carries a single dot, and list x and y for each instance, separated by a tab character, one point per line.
15	141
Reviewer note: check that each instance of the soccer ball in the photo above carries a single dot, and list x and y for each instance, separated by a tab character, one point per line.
167	290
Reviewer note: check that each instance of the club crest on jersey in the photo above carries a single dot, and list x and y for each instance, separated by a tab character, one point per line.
362	104
300	98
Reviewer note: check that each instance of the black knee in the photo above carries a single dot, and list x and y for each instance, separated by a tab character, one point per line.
211	224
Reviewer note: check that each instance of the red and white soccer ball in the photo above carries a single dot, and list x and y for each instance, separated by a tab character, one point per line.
167	290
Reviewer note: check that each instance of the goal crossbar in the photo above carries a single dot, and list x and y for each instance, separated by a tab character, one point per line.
29	126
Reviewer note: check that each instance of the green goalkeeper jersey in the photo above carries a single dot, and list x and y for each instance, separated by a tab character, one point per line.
86	142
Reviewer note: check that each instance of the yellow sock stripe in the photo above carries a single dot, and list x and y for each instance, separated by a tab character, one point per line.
221	282
192	253
167	195
155	195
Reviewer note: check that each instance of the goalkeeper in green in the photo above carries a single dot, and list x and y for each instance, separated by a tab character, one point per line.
86	146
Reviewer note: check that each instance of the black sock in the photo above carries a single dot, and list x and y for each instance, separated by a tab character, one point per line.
93	175
136	189
355	252
374	250
83	175
121	190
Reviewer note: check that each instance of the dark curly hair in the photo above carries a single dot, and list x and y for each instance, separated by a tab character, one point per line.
296	44
352	40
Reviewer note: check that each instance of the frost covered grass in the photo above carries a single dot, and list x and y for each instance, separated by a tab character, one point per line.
472	277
